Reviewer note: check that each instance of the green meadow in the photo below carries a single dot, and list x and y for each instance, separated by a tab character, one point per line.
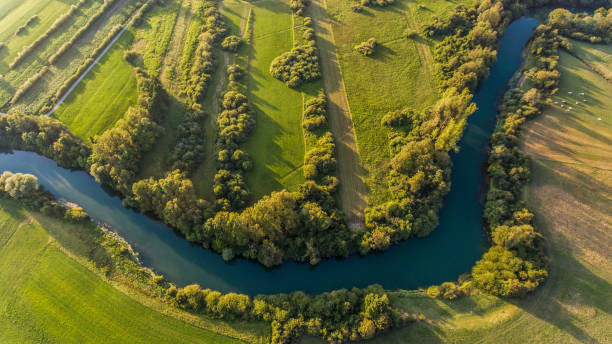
103	96
48	293
277	144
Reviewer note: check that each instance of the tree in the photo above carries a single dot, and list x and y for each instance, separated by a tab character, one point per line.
19	185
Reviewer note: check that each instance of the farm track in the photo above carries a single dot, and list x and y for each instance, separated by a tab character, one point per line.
178	37
97	59
353	191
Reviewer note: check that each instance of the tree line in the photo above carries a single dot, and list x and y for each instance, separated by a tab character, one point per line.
45	136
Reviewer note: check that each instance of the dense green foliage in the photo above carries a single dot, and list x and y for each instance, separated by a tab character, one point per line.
231	43
234	123
44	136
189	148
338	316
596	28
299	65
116	153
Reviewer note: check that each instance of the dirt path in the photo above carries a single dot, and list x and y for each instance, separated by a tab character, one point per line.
178	39
353	191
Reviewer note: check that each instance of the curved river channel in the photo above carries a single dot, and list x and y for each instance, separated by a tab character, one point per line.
447	252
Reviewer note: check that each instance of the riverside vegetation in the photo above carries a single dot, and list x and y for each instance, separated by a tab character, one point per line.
306	225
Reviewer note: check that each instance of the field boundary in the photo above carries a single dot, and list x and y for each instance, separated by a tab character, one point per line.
353	191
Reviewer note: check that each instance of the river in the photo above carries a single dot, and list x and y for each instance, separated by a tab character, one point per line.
452	249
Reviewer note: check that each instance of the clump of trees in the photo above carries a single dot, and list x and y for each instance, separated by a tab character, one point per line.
596	28
419	172
115	153
45	136
189	149
379	3
299	65
299	6
231	43
315	113
171	199
366	48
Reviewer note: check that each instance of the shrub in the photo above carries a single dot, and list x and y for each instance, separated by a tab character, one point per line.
234	72
231	43
299	6
131	57
366	48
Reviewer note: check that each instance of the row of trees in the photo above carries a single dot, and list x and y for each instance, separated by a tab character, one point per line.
30	22
234	124
299	6
594	28
516	263
339	316
59	22
197	71
45	136
116	153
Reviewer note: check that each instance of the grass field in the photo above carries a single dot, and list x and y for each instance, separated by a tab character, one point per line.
277	144
570	192
103	96
69	62
47	295
16	13
399	74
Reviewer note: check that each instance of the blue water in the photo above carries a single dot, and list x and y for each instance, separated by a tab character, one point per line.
452	249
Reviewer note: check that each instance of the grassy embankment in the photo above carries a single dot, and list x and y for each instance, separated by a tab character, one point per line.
51	292
70	61
399	74
570	192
